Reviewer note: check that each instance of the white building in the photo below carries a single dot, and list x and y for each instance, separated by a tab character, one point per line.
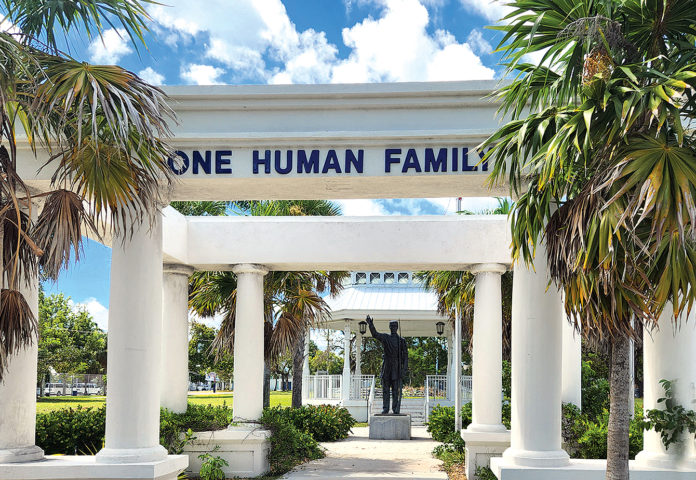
410	140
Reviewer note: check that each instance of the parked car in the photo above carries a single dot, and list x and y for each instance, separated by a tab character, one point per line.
87	389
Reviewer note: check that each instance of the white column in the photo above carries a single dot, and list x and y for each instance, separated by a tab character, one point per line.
305	367
345	382
135	348
668	355
18	395
450	370
248	343
537	332
358	354
571	364
457	364
175	327
487	371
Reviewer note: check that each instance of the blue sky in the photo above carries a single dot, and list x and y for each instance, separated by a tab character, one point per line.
296	41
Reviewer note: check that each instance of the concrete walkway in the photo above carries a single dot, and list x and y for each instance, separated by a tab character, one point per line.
358	457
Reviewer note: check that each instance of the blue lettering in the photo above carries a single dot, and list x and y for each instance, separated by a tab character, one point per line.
389	158
221	162
266	161
331	162
455	159
465	162
180	167
288	164
411	161
199	161
484	165
438	164
351	161
307	166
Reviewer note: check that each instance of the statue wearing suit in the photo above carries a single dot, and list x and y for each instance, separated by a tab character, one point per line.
394	364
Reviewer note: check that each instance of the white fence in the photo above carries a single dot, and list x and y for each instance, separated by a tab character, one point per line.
329	387
360	386
437	391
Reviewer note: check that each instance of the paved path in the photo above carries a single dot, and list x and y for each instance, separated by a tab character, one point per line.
358	457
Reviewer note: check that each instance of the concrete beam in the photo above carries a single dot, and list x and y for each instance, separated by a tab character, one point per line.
343	243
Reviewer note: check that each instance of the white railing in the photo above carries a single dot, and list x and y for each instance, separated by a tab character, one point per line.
360	386
323	387
466	389
437	391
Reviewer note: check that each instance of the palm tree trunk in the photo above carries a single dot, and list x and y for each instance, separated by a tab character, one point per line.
619	415
266	383
297	365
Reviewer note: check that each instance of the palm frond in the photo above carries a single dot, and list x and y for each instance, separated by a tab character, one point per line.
18	325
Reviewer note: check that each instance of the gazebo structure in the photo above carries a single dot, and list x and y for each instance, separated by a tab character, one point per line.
385	296
411	140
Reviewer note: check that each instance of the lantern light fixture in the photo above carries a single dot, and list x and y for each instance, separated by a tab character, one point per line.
363	327
440	326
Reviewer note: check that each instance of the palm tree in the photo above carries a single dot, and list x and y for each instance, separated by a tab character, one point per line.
600	155
293	301
103	129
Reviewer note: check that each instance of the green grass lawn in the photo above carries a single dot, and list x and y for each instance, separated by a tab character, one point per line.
48	404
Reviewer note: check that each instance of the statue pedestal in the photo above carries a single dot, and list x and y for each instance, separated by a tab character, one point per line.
390	427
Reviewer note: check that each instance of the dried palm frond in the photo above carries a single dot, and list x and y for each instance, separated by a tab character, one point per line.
20	253
18	325
59	230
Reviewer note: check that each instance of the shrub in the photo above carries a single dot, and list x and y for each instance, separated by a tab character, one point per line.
78	431
197	418
289	446
211	466
325	423
573	425
441	428
593	441
485	473
595	391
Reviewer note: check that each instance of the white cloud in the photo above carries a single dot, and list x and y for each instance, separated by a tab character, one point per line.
492	10
360	208
109	49
151	76
479	44
202	74
99	313
257	41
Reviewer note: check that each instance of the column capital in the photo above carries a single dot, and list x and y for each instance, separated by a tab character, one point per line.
488	268
177	269
249	268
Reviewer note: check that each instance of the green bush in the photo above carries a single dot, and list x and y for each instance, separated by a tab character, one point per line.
212	466
197	418
573	425
485	473
78	431
595	390
325	423
289	445
593	441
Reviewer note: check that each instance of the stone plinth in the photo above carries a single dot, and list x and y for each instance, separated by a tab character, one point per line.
481	447
390	427
245	448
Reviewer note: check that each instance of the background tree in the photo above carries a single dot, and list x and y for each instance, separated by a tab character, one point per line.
102	129
202	358
601	157
69	340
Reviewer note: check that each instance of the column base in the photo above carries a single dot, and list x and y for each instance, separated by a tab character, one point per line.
487	428
29	453
86	467
131	455
481	446
536	458
665	461
245	449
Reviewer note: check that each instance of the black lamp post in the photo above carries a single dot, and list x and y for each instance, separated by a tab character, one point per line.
363	327
440	326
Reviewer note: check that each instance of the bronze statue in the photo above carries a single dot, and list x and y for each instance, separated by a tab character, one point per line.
394	364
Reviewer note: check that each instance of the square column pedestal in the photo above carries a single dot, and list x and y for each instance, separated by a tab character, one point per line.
481	447
244	447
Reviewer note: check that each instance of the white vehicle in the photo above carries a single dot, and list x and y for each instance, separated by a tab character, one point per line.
57	389
86	389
